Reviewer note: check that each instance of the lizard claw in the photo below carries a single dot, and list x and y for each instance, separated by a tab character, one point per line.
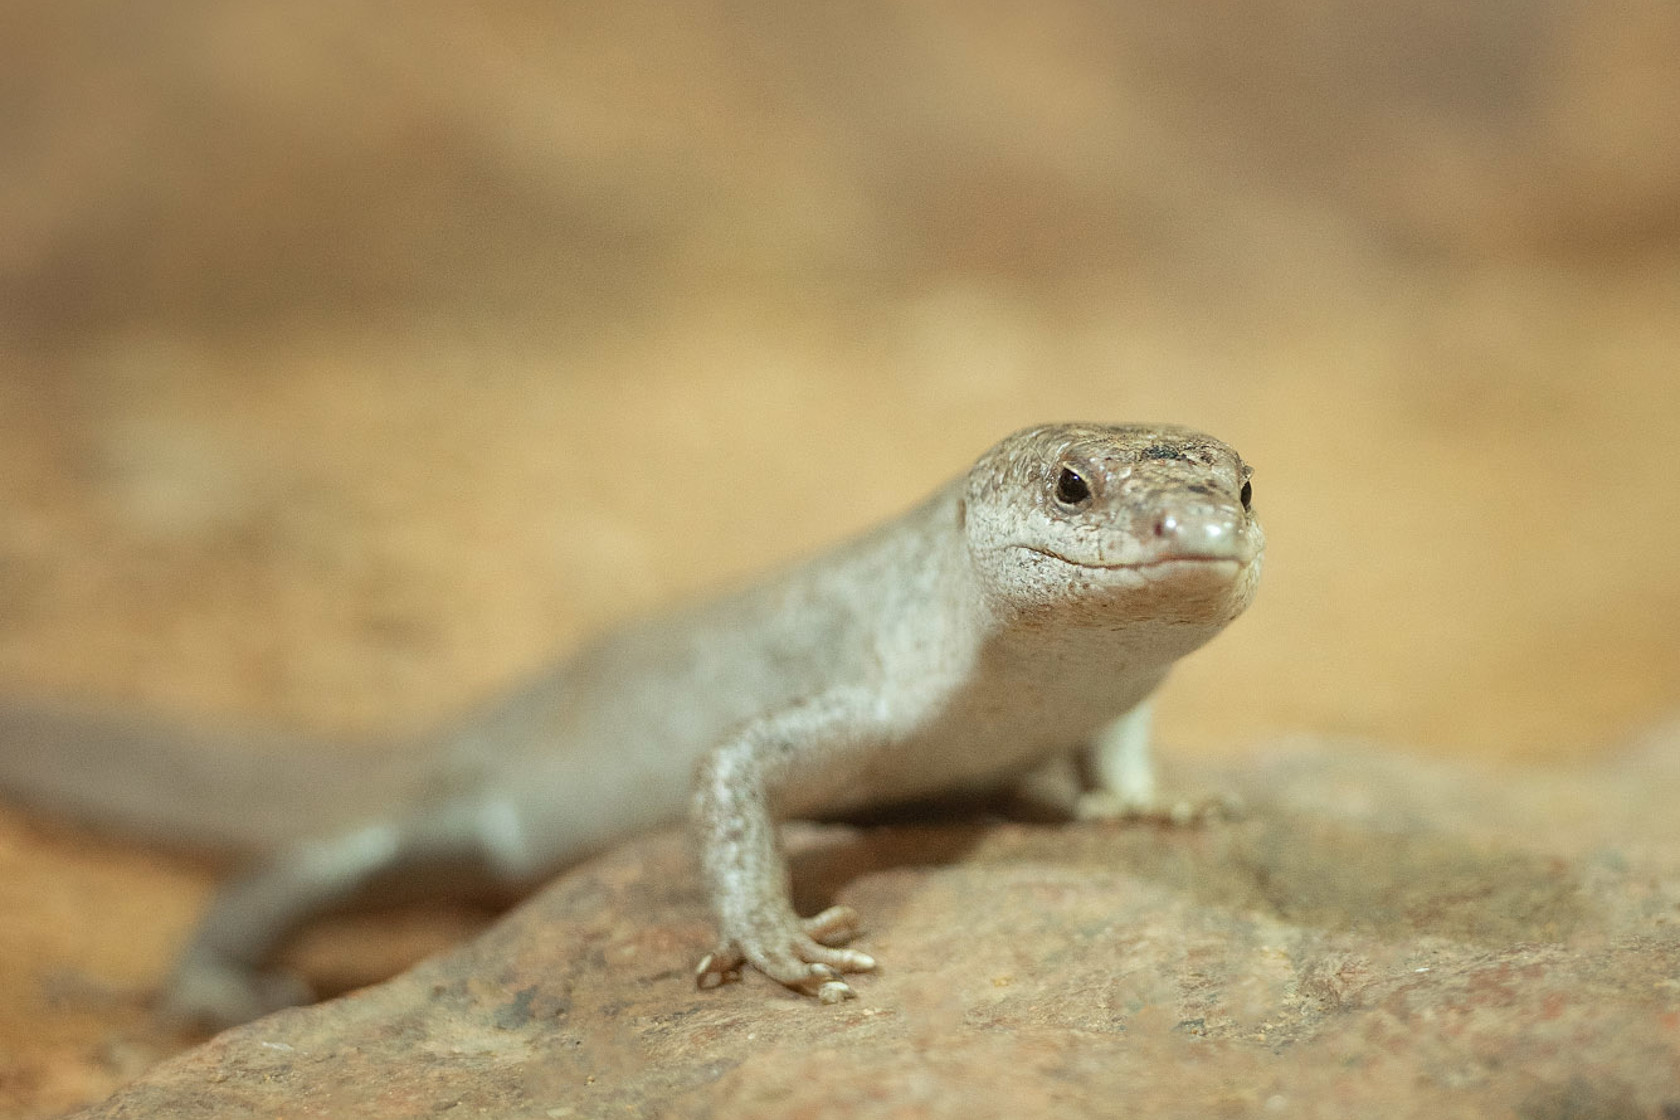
835	991
719	967
802	955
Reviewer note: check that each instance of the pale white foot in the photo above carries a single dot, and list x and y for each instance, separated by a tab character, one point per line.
801	953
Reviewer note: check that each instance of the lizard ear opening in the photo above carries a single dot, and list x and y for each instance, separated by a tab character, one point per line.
962	513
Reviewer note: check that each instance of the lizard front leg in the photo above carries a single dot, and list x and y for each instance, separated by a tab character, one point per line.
746	874
1111	776
1120	768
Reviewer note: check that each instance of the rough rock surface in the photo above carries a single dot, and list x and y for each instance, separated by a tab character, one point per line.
1377	936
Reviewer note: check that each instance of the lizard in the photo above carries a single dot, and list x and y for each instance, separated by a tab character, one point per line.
1006	633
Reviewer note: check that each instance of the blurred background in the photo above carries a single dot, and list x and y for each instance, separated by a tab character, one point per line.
357	358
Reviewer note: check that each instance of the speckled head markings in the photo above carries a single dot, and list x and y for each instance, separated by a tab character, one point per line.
1096	523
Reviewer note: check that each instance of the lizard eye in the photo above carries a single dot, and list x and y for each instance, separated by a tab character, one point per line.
1072	490
1247	495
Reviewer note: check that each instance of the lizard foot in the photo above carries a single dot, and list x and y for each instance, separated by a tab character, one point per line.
1105	805
212	995
802	953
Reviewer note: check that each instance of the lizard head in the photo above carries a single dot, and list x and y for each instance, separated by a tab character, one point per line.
1136	523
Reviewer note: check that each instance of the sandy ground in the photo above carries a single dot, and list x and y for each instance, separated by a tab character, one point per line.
352	368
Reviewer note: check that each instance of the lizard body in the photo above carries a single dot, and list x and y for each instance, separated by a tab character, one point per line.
1014	623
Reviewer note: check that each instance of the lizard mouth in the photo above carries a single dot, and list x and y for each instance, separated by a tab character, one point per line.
1157	564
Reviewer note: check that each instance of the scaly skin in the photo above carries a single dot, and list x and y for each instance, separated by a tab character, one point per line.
1006	633
1020	619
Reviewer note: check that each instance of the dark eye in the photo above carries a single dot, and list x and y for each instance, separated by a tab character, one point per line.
1247	494
1071	490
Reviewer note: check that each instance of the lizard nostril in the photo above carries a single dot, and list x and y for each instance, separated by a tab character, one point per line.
1166	525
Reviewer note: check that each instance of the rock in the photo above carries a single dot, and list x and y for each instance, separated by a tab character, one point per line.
1379	935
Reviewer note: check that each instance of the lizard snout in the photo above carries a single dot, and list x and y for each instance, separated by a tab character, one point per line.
1201	533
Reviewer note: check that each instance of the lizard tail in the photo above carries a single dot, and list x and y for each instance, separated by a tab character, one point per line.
241	792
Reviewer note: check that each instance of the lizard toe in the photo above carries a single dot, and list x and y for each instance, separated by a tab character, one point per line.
718	967
834	926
